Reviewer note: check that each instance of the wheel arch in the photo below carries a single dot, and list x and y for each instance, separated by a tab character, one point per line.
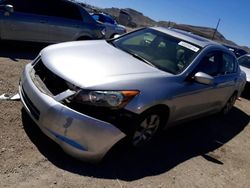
162	109
112	36
84	37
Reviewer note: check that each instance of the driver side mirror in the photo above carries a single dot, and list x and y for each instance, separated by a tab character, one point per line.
203	78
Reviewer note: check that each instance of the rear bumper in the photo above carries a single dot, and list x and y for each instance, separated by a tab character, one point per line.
79	135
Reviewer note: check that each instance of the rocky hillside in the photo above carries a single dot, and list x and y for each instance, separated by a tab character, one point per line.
141	20
144	21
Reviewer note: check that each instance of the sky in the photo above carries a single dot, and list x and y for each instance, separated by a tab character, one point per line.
234	14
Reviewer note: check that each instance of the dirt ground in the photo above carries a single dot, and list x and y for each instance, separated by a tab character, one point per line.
209	152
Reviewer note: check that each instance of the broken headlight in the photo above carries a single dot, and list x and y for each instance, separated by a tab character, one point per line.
111	99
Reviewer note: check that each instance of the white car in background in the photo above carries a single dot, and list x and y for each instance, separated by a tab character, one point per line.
244	62
112	27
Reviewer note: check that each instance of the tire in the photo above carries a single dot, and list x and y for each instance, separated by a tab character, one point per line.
147	127
84	38
229	105
112	36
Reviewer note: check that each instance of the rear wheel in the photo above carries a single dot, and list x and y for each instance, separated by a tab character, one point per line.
112	36
84	38
229	105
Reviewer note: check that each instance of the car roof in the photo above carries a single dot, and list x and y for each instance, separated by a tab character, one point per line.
188	36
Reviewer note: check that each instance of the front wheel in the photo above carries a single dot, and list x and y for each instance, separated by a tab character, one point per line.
146	129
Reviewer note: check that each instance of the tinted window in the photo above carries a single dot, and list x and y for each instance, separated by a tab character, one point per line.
210	64
96	17
217	63
229	64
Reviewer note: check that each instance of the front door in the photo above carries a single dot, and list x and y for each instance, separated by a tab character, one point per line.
196	98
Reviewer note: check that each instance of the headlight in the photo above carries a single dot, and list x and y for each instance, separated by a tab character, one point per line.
112	99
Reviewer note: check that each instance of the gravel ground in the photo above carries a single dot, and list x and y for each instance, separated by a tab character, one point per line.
209	152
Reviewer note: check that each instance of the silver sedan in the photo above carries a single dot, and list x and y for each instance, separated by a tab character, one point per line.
89	95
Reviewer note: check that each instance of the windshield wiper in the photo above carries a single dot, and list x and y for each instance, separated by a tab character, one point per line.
142	59
139	57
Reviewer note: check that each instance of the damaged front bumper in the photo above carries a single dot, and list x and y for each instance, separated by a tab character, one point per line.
79	135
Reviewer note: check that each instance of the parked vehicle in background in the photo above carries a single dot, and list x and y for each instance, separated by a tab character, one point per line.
88	95
236	50
112	27
49	21
244	62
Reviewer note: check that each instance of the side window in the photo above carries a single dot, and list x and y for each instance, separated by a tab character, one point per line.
108	20
72	12
102	18
229	64
64	9
96	17
210	64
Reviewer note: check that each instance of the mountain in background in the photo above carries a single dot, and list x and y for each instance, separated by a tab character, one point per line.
139	20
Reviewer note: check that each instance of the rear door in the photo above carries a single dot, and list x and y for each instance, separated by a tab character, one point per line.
227	79
25	23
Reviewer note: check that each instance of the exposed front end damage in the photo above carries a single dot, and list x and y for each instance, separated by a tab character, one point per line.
80	135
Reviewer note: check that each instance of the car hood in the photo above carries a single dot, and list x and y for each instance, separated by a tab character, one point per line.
247	71
90	63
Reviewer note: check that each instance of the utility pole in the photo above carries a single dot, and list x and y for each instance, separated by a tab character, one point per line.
218	23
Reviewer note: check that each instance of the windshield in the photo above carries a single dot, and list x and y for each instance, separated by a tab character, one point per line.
162	51
244	61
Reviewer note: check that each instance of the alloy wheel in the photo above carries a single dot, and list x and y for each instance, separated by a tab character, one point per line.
229	105
146	130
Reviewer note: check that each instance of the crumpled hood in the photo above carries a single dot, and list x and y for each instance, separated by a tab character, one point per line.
89	63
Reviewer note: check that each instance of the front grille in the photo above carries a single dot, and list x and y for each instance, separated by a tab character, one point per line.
33	110
53	83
